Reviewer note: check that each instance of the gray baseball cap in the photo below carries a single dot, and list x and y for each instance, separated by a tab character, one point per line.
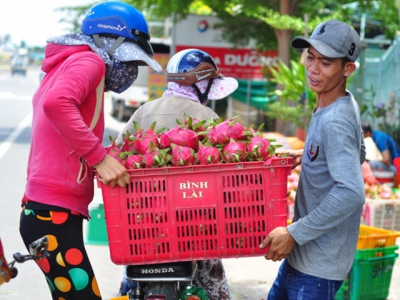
332	39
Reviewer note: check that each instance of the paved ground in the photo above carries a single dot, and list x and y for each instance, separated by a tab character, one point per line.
249	278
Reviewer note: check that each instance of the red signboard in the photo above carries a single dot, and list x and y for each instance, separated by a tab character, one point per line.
201	32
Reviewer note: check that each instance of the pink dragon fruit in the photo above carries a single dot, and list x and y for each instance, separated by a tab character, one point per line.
258	148
182	155
150	160
155	157
255	132
226	130
114	151
234	152
208	155
132	145
140	133
197	125
164	141
179	136
140	141
194	124
133	161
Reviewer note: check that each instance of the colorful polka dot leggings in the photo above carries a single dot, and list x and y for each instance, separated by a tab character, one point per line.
68	271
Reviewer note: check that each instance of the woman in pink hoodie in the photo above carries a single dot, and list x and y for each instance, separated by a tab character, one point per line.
66	138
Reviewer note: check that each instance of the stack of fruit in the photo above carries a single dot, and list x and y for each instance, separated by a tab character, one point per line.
194	142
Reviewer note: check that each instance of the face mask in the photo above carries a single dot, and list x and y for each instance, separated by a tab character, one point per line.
120	75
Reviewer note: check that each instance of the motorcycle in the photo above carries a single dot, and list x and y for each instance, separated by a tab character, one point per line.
37	251
165	281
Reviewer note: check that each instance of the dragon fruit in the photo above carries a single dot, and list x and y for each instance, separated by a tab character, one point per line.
197	125
132	145
194	124
155	157
140	141
208	155
234	152
225	142
258	148
179	136
133	161
114	150
150	132
182	155
223	132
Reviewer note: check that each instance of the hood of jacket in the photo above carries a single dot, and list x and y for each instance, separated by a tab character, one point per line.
55	54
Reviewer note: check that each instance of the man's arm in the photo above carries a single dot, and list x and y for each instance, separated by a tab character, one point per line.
296	155
280	244
386	157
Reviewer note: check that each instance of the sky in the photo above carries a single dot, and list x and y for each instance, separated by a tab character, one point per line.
34	21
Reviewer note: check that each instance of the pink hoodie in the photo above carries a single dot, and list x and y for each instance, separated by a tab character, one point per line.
62	144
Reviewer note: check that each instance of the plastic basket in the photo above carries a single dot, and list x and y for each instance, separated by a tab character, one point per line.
371	262
372	237
96	228
370	278
196	212
364	254
383	214
343	292
385	177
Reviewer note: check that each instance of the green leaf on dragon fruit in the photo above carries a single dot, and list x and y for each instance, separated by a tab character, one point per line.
276	146
158	131
136	125
260	127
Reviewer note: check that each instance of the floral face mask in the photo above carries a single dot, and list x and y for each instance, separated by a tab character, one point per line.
120	75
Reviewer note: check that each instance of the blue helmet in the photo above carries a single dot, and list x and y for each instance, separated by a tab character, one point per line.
187	67
190	66
118	19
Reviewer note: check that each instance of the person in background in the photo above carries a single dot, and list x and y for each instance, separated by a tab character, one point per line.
386	145
319	246
193	79
66	138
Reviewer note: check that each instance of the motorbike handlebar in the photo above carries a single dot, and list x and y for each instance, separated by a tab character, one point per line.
37	251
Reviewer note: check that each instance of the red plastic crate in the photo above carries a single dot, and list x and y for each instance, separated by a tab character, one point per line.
195	212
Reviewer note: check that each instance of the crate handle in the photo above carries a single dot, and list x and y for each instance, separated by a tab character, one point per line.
395	255
284	162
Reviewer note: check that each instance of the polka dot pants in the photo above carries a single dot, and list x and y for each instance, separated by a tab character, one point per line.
67	270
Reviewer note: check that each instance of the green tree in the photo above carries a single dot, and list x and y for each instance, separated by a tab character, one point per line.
271	23
74	15
297	100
